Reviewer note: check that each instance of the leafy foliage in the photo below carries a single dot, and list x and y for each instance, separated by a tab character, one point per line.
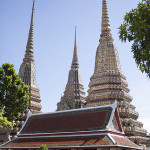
43	147
14	95
136	28
4	123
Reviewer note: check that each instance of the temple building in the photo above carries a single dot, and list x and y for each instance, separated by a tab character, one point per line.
74	95
96	128
27	73
100	121
108	84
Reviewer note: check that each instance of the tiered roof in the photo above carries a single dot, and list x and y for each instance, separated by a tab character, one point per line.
97	127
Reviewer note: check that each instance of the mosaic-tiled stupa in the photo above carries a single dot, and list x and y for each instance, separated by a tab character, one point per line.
108	84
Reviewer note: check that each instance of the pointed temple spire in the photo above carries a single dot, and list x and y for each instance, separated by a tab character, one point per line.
105	26
29	46
112	63
108	84
74	95
75	57
28	70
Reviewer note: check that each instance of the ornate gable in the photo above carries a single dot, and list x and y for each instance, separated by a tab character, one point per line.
97	127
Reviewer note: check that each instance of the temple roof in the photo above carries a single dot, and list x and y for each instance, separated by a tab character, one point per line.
79	128
101	141
77	120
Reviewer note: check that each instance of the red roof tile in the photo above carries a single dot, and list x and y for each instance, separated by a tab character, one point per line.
61	142
81	120
123	141
67	130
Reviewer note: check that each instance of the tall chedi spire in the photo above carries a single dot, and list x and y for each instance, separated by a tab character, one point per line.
28	71
108	84
28	74
74	95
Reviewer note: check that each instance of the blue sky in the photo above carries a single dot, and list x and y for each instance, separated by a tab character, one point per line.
54	25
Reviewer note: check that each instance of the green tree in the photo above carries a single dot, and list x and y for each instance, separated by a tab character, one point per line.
43	147
136	28
14	95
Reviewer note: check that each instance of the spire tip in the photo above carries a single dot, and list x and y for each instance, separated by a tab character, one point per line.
75	57
105	25
75	34
29	46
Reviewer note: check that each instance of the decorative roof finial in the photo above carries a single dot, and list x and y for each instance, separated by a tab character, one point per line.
29	46
105	26
75	57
